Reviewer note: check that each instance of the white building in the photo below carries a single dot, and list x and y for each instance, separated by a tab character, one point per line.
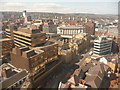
102	45
70	30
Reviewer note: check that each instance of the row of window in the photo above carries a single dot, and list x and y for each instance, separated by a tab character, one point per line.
39	73
23	39
22	35
103	42
22	42
108	49
102	47
16	85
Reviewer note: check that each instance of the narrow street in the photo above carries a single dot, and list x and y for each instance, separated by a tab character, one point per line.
66	70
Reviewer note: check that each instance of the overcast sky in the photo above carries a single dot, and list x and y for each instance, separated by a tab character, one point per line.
61	6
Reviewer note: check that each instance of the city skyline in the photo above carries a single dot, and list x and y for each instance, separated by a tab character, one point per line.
59	44
55	6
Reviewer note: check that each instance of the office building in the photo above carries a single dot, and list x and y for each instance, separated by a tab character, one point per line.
119	26
37	24
12	77
22	57
102	45
80	43
26	36
6	46
29	59
49	27
90	27
37	60
70	30
50	51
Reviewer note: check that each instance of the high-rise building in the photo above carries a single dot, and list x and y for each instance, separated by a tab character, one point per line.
39	61
119	25
6	45
30	60
102	45
118	39
33	53
26	36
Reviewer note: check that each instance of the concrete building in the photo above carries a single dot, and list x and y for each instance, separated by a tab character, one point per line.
6	46
112	31
70	30
119	28
50	51
37	60
26	36
49	27
56	21
66	55
53	36
102	45
80	42
22	57
12	77
36	26
71	46
90	27
30	60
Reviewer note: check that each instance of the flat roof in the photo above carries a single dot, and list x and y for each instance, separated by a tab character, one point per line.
66	36
10	81
24	33
71	27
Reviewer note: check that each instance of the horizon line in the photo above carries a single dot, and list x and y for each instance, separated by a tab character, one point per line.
61	12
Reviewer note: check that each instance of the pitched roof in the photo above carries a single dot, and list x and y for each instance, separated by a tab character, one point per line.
87	67
74	79
93	81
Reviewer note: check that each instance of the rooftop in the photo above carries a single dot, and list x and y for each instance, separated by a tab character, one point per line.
9	71
72	26
102	38
27	51
45	44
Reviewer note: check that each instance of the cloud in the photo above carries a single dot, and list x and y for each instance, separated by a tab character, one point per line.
36	7
58	7
48	7
13	6
41	7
